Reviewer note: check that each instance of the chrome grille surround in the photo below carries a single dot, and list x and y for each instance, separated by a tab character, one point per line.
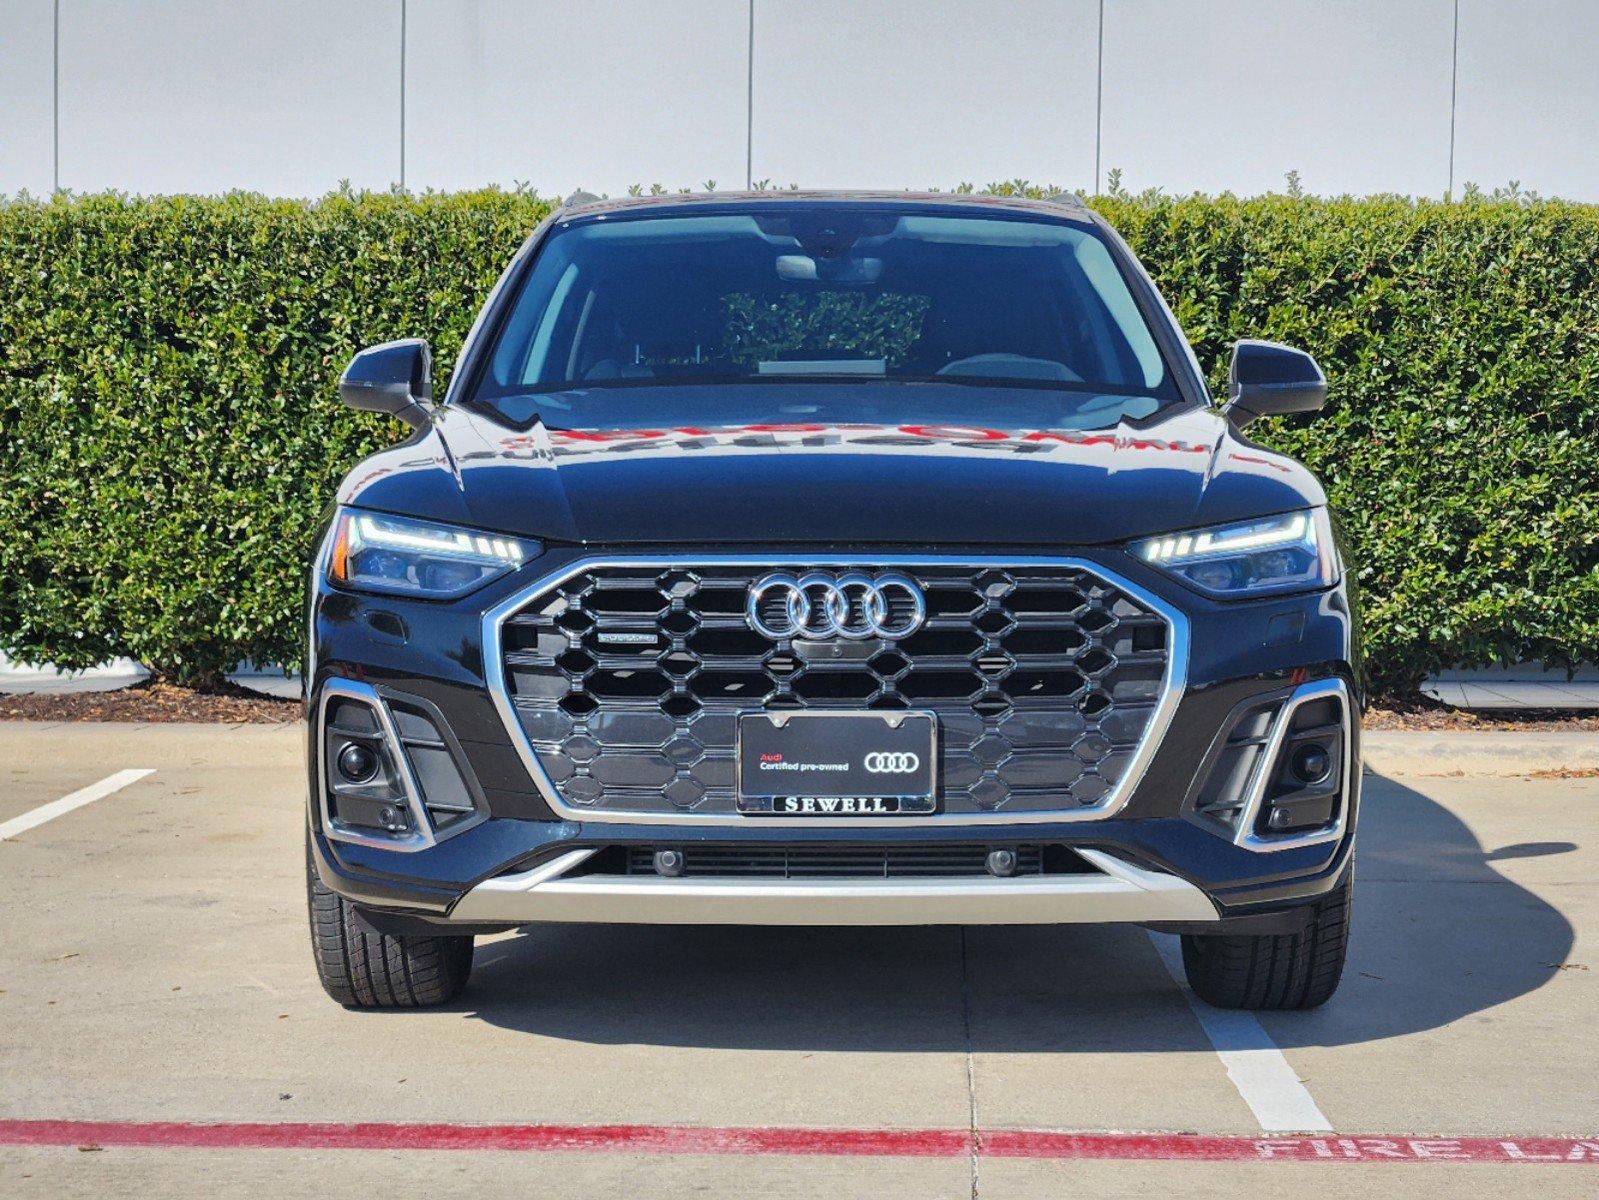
1129	767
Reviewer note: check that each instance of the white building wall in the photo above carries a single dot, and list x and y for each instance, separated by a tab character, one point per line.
294	96
877	93
1529	95
1234	94
561	95
289	96
25	95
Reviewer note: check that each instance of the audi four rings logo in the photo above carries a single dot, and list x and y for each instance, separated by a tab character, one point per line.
817	606
888	762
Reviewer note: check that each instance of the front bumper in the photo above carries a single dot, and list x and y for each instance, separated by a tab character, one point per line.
1116	891
1156	864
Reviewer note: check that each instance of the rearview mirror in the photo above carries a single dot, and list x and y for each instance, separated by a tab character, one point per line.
394	378
1268	379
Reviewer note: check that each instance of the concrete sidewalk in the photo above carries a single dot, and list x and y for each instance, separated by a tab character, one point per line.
1519	687
1469	752
32	678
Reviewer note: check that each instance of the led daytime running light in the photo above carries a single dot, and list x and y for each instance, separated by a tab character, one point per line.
1205	544
406	556
368	532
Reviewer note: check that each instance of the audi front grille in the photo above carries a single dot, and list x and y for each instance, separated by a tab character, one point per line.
624	681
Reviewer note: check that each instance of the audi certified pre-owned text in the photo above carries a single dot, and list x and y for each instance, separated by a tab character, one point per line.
830	559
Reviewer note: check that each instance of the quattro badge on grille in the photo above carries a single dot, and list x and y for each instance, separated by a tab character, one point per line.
623	637
818	606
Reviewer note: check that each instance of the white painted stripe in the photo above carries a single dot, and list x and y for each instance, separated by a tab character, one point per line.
56	808
1274	1093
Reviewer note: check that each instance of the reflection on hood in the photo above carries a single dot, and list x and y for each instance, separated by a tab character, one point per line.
916	482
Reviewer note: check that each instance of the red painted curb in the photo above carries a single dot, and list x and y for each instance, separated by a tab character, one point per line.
905	1143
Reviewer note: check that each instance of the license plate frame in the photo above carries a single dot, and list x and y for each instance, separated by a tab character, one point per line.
829	775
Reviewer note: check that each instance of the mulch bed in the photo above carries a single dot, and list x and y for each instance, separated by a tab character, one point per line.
233	705
153	701
1425	713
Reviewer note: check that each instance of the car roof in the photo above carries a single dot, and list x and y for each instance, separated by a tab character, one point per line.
1065	205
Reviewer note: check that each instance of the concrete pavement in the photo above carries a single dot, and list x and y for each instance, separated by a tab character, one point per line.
155	968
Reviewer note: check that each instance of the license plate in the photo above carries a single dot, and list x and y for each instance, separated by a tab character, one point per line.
864	764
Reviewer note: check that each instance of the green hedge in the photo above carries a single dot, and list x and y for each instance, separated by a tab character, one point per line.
169	431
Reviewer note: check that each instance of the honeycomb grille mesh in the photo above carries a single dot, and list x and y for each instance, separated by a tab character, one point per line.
628	682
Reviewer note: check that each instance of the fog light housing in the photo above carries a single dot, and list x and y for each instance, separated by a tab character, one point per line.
358	763
1310	763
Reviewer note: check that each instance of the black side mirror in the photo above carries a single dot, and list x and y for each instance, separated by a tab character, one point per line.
394	378
1268	379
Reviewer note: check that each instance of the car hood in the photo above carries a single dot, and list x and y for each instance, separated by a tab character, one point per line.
908	483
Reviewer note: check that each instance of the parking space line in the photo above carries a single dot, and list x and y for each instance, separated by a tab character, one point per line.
33	818
1274	1093
843	1143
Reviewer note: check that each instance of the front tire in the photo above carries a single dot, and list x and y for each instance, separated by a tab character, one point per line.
362	968
1275	971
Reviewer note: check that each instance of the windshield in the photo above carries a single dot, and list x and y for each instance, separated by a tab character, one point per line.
833	293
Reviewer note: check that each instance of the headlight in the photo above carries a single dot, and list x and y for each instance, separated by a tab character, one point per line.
1288	553
375	553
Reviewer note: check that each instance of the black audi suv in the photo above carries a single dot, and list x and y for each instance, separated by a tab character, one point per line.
830	559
